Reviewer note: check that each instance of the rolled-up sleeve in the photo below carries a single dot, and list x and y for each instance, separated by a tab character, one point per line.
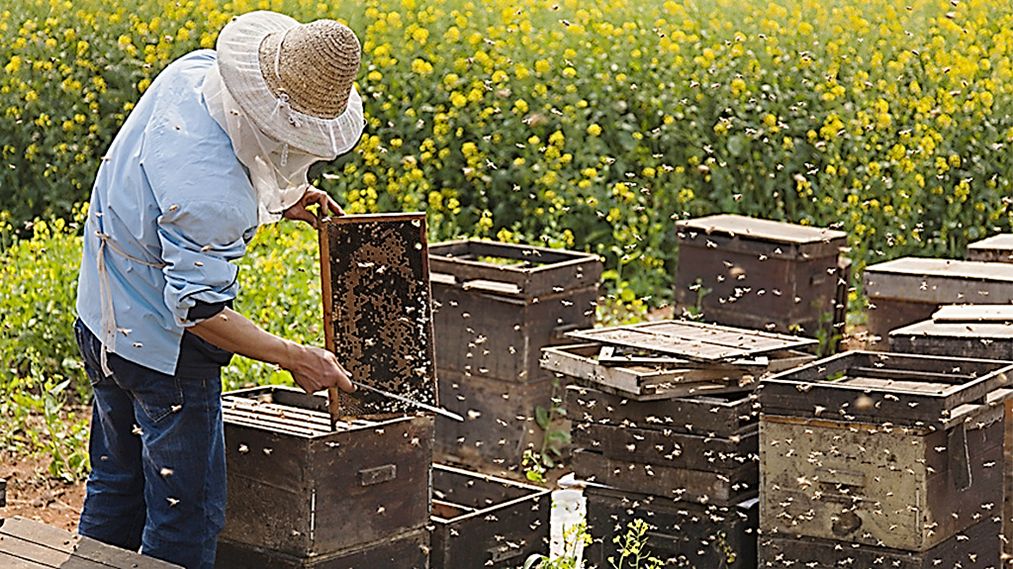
199	240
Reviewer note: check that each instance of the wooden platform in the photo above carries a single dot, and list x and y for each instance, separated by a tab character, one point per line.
25	544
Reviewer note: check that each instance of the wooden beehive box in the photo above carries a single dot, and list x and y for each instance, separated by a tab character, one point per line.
499	419
885	450
762	274
697	449
722	415
908	290
406	550
883	387
378	308
25	544
498	304
997	249
975	548
495	306
974	331
297	487
484	521
681	534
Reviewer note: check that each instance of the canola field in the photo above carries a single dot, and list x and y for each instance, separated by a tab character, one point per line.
583	124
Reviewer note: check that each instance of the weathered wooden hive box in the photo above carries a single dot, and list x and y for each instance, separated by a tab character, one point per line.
26	544
908	290
308	489
483	521
683	392
495	306
680	534
695	449
763	274
299	488
997	249
894	452
981	331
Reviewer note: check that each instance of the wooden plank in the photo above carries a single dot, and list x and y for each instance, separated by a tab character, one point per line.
26	543
380	308
692	340
762	229
974	313
575	361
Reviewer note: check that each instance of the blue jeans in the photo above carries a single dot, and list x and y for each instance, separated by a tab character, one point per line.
157	452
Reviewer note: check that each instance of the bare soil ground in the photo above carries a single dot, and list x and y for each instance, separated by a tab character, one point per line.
33	494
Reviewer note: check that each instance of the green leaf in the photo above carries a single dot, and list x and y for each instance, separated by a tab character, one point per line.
542	417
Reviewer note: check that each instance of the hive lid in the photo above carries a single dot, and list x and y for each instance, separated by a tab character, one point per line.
1001	242
762	229
945	268
377	307
1002	313
974	331
694	340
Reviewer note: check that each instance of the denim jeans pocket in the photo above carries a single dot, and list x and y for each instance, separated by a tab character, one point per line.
158	394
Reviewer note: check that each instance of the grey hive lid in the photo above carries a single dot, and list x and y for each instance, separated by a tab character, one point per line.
945	268
761	229
1000	242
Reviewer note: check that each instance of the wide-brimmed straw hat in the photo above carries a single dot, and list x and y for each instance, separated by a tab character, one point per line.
294	81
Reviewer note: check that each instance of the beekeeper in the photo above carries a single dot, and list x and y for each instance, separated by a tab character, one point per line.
218	145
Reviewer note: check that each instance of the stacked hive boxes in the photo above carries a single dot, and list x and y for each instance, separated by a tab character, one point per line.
668	434
495	306
982	331
877	459
762	274
911	289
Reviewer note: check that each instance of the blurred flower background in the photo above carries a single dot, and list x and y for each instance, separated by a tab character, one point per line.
588	125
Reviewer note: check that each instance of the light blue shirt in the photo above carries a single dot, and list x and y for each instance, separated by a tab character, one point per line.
170	192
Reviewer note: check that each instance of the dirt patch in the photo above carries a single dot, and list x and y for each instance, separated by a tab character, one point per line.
32	494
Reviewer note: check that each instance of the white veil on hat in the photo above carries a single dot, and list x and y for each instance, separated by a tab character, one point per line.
276	142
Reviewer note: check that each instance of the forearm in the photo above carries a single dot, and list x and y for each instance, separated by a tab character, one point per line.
231	331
